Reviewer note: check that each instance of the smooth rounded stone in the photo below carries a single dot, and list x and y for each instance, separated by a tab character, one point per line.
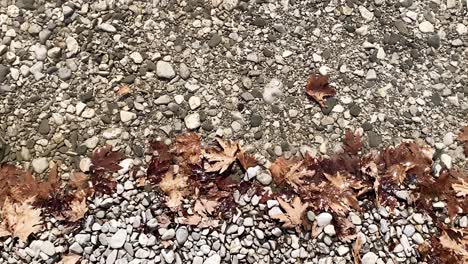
184	71
168	234
142	253
91	142
168	255
164	70
434	41
64	73
409	230
463	221
205	249
371	75
192	121
182	235
126	116
373	229
88	113
107	28
215	259
417	238
369	258
76	248
48	248
44	127
197	260
342	250
446	160
41	52
194	102
111	257
72	46
163	100
248	222
418	218
355	219
118	239
85	164
329	230
259	234
36	70
232	229
448	139
255	120
82	239
426	27
136	57
276	232
264	178
274	211
214	41
324	219
40	165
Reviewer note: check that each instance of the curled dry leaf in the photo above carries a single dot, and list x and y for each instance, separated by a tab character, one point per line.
175	187
458	247
19	219
294	213
220	161
461	188
318	88
360	240
70	259
290	171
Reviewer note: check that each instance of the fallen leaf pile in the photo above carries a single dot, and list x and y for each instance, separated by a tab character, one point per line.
197	183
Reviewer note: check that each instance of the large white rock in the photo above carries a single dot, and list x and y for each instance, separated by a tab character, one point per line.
192	121
164	70
40	165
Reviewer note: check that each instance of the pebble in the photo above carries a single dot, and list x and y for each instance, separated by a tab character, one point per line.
107	28
426	27
163	100
138	59
192	121
329	230
182	235
118	239
272	90
168	255
194	102
324	219
48	248
446	160
264	178
126	116
40	164
184	71
168	234
369	258
215	259
409	230
164	70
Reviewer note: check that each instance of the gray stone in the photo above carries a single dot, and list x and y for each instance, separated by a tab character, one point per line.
184	71
107	28
48	248
126	116
44	127
82	239
264	178
434	41
369	258
409	230
76	248
111	257
192	121
64	73
168	235
215	259
168	255
324	219
182	235
118	239
164	70
329	230
426	27
418	239
214	40
163	100
40	165
374	139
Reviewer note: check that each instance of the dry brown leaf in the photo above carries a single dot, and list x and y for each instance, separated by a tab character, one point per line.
360	240
338	180
219	161
123	90
453	245
294	212
174	186
318	88
463	135
20	219
246	160
205	207
78	209
461	188
290	171
70	259
188	146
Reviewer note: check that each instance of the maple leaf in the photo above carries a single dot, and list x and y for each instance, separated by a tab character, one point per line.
104	159
458	247
352	143
290	171
294	212
219	161
175	187
318	88
78	209
70	259
205	207
20	219
161	162
246	160
461	188
360	240
188	147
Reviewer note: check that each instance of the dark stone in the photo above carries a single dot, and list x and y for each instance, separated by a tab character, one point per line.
436	99
268	53
26	4
256	120
434	41
203	116
272	37
374	139
275	109
285	146
87	97
329	104
129	79
151	65
106	119
247	96
258	135
81	150
3	147
256	93
214	40
207	125
44	127
259	22
367	126
138	150
4	70
355	110
401	26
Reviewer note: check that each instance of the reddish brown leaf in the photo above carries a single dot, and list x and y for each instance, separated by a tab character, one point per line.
161	162
123	90
220	161
463	137
175	187
318	88
246	160
290	171
294	213
104	159
188	147
352	143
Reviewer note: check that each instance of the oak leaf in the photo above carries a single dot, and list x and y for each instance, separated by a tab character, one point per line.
294	212
219	161
20	219
290	171
161	161
318	88
175	187
70	259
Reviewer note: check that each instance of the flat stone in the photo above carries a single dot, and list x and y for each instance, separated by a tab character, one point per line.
118	239
163	100
192	121
40	165
112	133
374	139
194	102
215	259
48	248
107	28
126	116
111	257
324	219
369	258
184	71
214	40
164	70
44	127
426	27
169	234
264	178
